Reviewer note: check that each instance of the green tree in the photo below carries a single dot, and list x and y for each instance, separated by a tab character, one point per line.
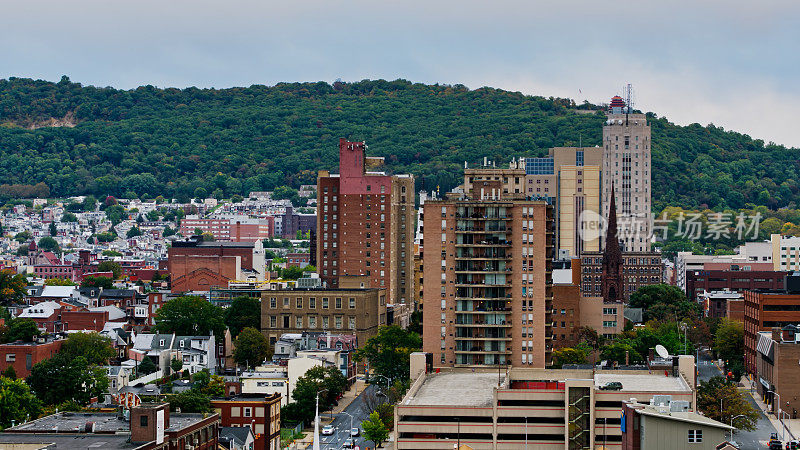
242	313
59	282
22	236
191	401
133	232
95	348
250	348
111	253
49	244
110	266
292	273
168	231
570	355
22	250
98	282
313	381
52	228
9	372
68	217
388	352
115	213
20	330
153	215
146	366
663	302
17	403
375	430
63	378
12	287
617	351
718	391
237	198
190	316
729	345
176	364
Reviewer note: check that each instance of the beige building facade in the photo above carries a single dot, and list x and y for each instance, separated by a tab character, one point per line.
487	279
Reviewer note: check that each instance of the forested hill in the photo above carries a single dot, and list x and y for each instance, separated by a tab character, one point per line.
183	142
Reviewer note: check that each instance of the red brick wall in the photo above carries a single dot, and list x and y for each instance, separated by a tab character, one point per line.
38	352
84	320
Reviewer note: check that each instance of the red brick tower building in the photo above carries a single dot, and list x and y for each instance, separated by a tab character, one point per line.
365	225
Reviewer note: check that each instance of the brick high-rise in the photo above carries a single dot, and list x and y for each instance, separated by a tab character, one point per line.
487	262
365	228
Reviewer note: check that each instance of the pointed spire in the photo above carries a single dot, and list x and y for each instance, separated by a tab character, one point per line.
611	281
611	229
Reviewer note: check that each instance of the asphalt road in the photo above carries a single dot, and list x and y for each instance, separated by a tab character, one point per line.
747	440
342	423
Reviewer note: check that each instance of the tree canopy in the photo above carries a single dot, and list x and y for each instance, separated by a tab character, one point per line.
190	316
388	352
17	403
304	395
179	142
663	302
65	378
95	348
243	312
12	286
721	400
250	348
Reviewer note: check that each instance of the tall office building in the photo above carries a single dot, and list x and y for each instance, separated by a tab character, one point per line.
487	277
569	179
365	229
626	166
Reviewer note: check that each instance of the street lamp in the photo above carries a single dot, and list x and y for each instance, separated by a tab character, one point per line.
385	378
351	420
732	419
779	401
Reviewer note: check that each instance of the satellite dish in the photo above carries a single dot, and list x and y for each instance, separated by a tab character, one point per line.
662	352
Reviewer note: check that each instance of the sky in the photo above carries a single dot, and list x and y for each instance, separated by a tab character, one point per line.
731	63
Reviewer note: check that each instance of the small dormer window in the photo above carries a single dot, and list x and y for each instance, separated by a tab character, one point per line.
161	343
182	344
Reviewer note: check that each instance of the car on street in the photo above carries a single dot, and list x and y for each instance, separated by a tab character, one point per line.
328	430
354	431
611	386
348	443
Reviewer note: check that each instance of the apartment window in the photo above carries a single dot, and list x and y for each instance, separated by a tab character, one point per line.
285	302
338	303
352	323
338	322
11	357
324	303
143	420
299	302
248	412
273	321
695	436
325	322
610	311
352	303
298	322
312	303
312	322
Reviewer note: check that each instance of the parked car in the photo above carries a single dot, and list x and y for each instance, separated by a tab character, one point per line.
355	432
328	430
611	386
348	443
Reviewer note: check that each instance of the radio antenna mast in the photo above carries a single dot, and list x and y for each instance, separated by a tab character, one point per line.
628	93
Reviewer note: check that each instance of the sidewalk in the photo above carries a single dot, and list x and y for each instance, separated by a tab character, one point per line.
792	426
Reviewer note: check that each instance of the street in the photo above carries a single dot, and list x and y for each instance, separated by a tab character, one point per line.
342	422
747	440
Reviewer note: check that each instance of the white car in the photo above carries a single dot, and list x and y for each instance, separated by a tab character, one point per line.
328	430
354	432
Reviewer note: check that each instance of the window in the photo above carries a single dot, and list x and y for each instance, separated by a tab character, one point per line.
352	303
352	323
143	421
299	302
273	321
312	303
11	357
338	302
248	412
325	322
312	322
695	436
298	321
324	303
273	302
285	302
338	320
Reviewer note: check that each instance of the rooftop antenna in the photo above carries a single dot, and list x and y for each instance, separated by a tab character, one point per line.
628	93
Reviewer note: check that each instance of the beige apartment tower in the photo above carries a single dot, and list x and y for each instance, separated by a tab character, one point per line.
487	278
626	165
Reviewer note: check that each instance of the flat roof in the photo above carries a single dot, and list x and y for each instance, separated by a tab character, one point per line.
456	389
643	382
74	421
69	441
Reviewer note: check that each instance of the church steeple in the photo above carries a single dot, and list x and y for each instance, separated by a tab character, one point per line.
611	281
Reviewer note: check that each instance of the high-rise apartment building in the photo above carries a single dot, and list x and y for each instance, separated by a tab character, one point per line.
487	278
365	227
626	166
